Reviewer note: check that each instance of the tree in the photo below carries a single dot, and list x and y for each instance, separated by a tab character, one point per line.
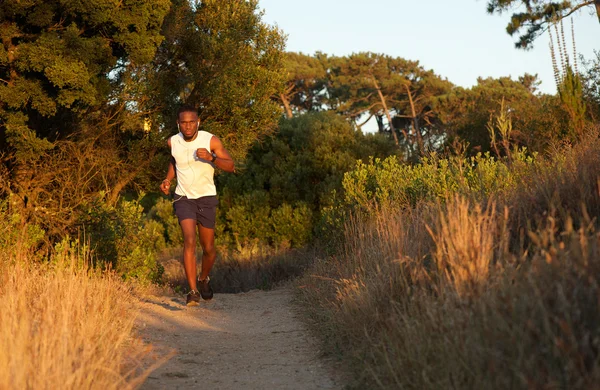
536	119
58	63
306	83
537	15
219	56
375	85
591	85
88	92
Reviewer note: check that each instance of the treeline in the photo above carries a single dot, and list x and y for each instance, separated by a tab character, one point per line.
88	94
423	111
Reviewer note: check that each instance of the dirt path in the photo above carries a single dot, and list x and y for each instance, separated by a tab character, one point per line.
247	341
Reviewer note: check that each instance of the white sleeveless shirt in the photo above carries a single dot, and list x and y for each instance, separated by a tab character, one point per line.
195	177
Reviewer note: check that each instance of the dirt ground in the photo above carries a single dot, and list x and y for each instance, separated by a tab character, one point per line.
253	340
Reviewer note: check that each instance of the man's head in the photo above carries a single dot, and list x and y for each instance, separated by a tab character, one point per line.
188	121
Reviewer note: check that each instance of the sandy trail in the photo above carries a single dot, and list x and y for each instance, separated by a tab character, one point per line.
252	340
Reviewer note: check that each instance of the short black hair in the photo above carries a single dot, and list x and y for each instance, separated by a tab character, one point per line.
187	108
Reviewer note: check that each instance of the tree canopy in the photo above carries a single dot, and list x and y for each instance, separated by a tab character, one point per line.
219	56
88	92
534	16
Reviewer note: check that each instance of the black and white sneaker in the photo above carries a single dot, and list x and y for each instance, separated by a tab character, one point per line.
193	298
205	290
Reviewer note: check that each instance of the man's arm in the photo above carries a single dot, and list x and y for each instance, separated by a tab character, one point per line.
165	186
223	159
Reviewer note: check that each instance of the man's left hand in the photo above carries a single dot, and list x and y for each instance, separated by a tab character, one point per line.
204	154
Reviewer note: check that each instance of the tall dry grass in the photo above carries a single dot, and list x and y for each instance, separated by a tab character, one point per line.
63	326
450	296
236	272
468	240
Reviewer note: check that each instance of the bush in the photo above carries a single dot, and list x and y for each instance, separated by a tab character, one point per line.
390	183
17	237
288	177
163	212
123	238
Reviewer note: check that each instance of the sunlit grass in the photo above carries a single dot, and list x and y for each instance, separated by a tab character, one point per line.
63	326
471	294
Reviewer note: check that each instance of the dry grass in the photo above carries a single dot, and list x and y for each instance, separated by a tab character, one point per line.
468	240
234	272
450	296
566	184
65	327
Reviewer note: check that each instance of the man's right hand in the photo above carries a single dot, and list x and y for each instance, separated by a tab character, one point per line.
165	186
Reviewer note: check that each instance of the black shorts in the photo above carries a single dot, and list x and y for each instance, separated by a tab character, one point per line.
203	210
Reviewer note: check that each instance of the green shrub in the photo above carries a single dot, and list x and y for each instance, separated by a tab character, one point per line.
163	212
17	237
288	177
124	238
291	225
390	183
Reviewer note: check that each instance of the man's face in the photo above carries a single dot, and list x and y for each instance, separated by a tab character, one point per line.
188	123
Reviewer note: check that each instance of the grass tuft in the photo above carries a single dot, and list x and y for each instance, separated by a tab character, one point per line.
63	326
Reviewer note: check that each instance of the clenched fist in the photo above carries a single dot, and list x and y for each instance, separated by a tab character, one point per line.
204	154
165	186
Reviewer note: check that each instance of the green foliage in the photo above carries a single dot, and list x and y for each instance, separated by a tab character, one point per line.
252	223
534	15
87	93
591	85
537	119
307	82
122	237
570	91
18	238
365	85
289	177
163	212
219	56
56	56
60	111
390	184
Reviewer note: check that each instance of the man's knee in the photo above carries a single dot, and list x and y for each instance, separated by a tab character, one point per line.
189	242
209	249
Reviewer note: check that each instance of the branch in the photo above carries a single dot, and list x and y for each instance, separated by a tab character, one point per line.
356	113
578	7
368	119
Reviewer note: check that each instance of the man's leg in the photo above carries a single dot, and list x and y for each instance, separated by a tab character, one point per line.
209	253
188	227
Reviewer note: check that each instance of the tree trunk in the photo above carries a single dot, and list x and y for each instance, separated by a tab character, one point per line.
379	119
597	3
386	111
116	191
415	122
286	104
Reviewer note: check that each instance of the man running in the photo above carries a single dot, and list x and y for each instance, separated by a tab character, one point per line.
194	156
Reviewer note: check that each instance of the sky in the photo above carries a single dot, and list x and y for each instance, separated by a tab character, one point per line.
458	39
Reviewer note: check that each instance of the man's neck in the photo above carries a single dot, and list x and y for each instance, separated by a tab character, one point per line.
190	139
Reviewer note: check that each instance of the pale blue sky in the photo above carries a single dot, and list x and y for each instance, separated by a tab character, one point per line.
458	39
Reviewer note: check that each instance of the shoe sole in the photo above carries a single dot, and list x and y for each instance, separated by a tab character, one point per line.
193	303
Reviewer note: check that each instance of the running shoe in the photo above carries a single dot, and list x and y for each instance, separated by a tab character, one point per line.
193	298
206	290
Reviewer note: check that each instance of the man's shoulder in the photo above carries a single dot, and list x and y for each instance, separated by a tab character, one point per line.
172	138
205	133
